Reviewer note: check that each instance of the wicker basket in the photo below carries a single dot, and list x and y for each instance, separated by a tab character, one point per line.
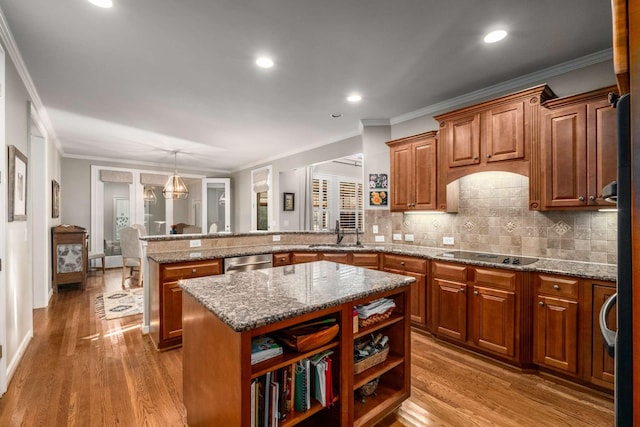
370	361
375	318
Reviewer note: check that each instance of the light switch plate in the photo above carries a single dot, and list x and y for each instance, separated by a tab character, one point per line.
276	237
375	229
195	243
408	237
447	240
379	238
397	236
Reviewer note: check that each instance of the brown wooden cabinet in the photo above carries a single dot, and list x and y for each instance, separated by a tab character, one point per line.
166	297
555	323
283	258
579	152
414	173
69	255
416	268
598	365
500	134
482	308
301	257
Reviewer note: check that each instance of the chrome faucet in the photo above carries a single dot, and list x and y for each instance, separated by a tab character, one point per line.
358	237
339	236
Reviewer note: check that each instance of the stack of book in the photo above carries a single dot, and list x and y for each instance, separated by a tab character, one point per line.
263	348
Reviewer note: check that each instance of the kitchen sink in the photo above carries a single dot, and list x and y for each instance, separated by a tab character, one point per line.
336	245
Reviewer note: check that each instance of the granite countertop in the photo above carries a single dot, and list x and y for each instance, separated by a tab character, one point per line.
588	270
248	300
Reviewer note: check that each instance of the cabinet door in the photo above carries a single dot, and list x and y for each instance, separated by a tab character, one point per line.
504	132
171	310
494	313
602	366
281	259
602	136
368	260
463	141
401	185
301	257
335	257
555	337
564	153
418	298
424	165
450	312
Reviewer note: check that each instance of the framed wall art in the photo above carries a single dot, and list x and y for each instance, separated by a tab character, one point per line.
288	201
17	185
378	180
55	199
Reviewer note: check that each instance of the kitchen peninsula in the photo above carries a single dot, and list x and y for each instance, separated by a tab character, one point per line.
221	315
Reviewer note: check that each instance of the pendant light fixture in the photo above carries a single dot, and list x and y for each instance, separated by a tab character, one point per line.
150	195
175	187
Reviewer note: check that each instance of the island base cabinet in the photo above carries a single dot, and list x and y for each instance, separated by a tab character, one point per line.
218	376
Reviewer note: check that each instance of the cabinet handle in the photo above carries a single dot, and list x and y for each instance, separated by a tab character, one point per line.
581	198
556	287
476	293
461	290
592	198
541	303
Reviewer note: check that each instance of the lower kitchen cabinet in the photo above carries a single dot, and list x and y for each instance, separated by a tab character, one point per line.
555	323
599	366
416	268
165	326
280	259
480	308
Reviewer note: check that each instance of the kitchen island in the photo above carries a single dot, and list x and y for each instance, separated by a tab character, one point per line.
222	314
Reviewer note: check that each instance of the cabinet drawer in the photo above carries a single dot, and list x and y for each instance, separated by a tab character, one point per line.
335	257
302	257
557	286
416	265
281	259
191	269
496	278
365	260
450	271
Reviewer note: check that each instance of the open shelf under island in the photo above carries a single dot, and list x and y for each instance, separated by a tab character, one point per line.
222	314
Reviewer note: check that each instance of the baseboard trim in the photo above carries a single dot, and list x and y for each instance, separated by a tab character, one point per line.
15	361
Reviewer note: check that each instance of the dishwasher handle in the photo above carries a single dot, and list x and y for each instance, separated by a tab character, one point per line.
608	335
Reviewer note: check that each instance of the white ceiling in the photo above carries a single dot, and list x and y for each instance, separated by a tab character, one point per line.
151	76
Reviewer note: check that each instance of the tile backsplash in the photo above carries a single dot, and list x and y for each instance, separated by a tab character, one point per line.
493	216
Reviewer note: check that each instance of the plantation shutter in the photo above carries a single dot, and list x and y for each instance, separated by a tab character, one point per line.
350	205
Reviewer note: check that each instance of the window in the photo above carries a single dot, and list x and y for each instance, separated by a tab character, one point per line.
320	204
350	205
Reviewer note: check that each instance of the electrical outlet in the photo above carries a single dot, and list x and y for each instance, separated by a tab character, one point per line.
397	236
379	238
276	237
447	240
195	243
408	237
195	254
375	229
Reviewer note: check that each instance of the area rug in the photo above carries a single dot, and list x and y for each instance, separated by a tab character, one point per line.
112	305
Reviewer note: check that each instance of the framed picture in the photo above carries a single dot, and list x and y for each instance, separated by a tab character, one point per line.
378	198
289	202
378	180
17	185
55	199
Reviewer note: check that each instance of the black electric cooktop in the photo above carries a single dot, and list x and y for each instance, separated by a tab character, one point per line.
494	258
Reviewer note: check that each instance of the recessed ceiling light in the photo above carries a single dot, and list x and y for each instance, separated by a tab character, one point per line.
105	4
354	97
264	62
336	115
495	36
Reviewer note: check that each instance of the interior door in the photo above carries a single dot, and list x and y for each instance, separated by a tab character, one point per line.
216	205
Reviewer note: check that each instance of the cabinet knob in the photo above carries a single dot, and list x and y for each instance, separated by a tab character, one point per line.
488	156
282	259
541	303
475	158
461	290
556	287
402	263
581	198
476	293
592	198
193	270
408	205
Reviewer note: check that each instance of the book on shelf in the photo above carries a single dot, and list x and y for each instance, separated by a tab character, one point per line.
302	392
323	390
263	348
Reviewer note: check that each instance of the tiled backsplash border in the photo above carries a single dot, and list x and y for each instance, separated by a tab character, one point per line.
494	217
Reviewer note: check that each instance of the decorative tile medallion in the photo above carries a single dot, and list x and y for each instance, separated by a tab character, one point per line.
561	227
510	226
469	225
436	224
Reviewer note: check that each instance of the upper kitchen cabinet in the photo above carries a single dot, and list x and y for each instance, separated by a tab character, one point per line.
496	135
414	172
579	151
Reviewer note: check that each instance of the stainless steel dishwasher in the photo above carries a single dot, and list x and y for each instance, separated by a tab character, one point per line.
246	263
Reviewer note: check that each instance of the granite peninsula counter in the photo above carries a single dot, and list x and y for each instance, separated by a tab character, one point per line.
221	315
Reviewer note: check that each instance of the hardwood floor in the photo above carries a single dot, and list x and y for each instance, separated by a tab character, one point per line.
80	370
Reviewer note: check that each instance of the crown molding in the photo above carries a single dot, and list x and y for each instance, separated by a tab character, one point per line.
14	53
510	85
142	163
